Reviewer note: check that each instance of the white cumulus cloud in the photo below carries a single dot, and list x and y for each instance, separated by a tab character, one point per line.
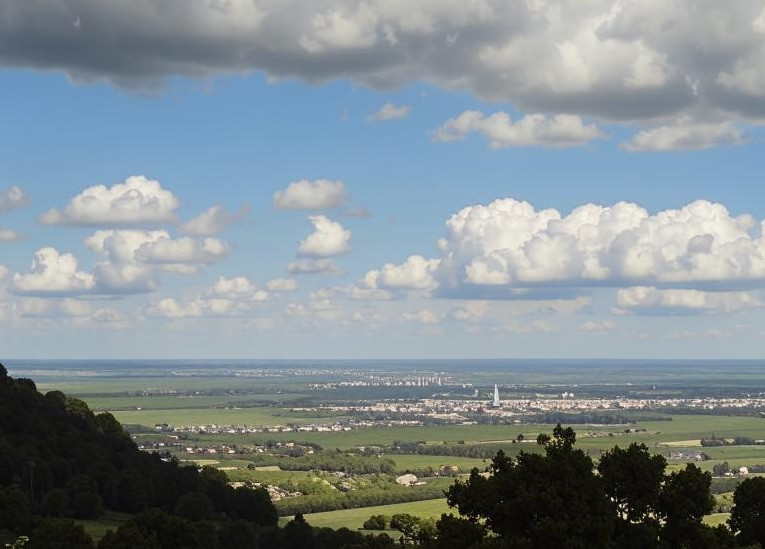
237	288
561	130
416	273
166	308
508	243
52	274
227	297
134	258
311	195
137	201
198	308
329	238
122	272
685	136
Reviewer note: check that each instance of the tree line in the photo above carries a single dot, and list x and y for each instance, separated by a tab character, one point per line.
328	460
369	497
560	499
715	441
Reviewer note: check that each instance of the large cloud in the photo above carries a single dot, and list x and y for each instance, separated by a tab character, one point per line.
508	249
137	201
134	257
328	238
156	248
122	272
621	59
510	243
132	260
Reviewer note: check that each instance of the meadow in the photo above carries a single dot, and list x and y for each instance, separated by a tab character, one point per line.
354	518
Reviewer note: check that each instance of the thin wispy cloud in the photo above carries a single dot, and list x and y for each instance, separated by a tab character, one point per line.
389	111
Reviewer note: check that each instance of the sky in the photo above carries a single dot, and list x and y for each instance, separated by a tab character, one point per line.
382	179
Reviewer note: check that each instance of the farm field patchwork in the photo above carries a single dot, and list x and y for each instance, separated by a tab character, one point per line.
188	399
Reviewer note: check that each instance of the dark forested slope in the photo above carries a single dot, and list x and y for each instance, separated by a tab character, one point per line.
58	459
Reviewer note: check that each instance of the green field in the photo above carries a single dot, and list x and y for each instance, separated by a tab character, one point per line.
354	518
412	462
593	439
385	436
681	427
716	519
119	386
259	416
267	476
115	403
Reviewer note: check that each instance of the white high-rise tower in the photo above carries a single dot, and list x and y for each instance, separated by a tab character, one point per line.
496	403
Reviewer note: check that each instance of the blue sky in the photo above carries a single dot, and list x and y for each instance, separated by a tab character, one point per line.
417	183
